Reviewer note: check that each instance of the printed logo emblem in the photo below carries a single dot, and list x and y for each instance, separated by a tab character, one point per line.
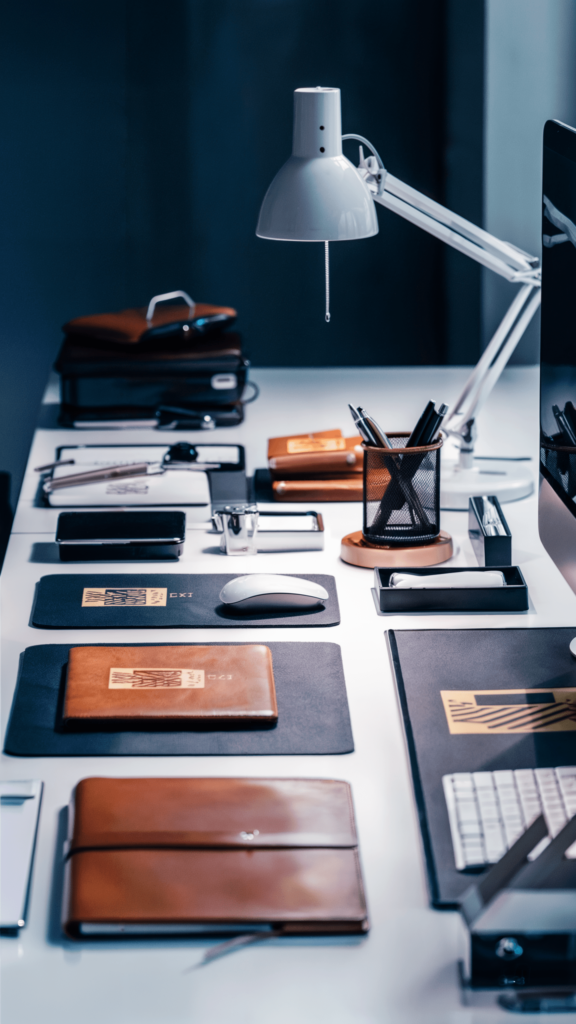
127	488
301	445
510	711
155	679
124	597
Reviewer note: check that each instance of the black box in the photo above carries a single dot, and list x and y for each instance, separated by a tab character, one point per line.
512	597
110	536
490	550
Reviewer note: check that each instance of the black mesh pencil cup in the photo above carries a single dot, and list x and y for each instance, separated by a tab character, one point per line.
401	493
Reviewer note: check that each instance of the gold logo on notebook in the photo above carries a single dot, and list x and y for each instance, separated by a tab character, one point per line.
301	445
124	597
156	679
510	711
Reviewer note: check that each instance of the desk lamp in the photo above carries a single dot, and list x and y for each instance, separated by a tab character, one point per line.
320	196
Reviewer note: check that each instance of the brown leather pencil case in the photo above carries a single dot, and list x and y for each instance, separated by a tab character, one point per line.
171	685
216	856
344	488
311	455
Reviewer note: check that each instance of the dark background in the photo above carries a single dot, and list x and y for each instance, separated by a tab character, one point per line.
139	139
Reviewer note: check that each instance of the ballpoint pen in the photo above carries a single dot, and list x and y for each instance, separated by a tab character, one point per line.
414	441
363	428
130	470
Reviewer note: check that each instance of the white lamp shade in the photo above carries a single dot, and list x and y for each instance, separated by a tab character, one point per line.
318	195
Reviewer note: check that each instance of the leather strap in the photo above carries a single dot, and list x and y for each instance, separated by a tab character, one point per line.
218	840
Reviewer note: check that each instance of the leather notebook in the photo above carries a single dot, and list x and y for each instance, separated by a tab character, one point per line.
213	685
176	856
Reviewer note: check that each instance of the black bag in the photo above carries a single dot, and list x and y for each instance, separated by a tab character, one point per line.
178	366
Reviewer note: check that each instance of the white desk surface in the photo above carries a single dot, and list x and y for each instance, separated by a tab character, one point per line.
405	970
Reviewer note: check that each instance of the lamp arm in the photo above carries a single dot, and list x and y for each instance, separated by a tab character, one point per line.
503	258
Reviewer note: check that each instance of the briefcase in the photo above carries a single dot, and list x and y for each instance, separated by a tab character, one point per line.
176	365
212	856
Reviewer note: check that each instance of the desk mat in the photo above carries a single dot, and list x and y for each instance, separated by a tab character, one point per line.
426	662
313	715
188	601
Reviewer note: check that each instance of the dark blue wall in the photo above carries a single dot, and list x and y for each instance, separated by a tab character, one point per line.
141	137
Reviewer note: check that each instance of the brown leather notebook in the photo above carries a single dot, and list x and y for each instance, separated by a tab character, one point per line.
344	488
211	685
311	455
176	856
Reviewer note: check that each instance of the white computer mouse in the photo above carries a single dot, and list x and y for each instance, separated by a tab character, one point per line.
269	593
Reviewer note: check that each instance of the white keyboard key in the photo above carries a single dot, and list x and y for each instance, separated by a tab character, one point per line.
489	811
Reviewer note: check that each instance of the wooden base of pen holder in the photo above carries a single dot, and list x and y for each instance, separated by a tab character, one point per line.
356	551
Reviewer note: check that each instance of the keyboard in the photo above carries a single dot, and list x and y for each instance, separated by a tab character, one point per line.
488	811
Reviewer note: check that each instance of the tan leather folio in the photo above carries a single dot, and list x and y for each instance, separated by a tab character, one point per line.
345	488
322	454
212	855
210	685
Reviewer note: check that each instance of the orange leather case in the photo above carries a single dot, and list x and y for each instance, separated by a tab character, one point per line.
214	852
128	325
312	455
171	684
344	488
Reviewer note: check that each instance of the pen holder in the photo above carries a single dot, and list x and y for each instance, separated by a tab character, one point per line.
401	493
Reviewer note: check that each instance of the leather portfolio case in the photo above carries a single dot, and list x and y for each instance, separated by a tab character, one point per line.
176	856
311	455
345	488
212	685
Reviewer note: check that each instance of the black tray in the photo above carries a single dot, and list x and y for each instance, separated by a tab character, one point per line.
513	597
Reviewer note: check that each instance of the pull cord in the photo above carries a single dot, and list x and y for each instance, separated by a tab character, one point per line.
327	279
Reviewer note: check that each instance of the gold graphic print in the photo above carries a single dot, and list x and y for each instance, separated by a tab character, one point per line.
155	679
124	597
510	711
301	445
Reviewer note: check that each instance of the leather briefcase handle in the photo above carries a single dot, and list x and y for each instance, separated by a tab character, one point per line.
164	298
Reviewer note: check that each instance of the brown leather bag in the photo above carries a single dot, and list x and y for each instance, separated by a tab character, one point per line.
213	856
213	685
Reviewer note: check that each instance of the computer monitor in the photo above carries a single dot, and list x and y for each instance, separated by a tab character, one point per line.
557	501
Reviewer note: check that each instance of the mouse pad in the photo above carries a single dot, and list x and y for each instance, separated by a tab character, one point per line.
160	601
451	726
313	715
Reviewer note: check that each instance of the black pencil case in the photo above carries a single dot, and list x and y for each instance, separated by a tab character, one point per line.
512	597
112	536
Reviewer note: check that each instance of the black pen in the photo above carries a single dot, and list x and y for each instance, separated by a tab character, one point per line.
433	425
415	439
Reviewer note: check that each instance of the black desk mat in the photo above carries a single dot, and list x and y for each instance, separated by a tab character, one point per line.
428	661
313	715
191	601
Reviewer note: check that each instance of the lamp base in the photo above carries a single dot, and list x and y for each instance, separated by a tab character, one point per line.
356	551
509	481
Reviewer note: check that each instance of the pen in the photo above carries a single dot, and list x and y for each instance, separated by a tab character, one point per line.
432	426
363	428
414	441
95	476
376	431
